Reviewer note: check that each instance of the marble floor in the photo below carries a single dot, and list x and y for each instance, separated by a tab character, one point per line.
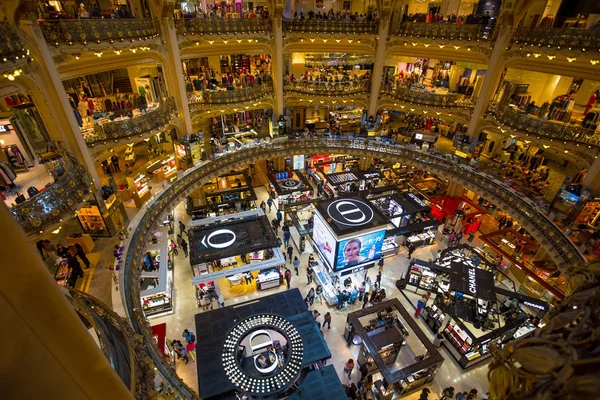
185	307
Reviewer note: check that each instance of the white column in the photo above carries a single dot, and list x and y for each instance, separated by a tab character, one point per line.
491	80
592	178
46	68
384	25
175	72
277	72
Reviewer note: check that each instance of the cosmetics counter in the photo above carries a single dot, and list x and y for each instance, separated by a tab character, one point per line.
140	189
157	277
328	280
383	332
290	186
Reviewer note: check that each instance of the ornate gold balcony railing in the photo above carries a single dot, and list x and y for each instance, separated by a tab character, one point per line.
11	45
331	26
222	26
139	125
444	31
360	86
240	95
419	96
547	128
59	199
83	31
564	38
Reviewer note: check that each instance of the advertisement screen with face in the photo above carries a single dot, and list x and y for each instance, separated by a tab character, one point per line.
359	250
324	240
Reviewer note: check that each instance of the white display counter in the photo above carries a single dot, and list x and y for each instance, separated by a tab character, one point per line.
323	278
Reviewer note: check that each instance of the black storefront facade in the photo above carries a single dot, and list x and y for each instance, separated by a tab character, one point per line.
278	329
468	308
384	332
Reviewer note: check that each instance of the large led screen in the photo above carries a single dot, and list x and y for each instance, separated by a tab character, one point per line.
324	240
359	250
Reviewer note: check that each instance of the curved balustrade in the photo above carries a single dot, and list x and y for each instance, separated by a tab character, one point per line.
126	128
331	26
564	38
403	93
445	31
559	246
552	129
11	45
361	86
247	93
222	26
56	202
70	31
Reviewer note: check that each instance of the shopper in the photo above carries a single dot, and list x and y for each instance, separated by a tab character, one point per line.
279	216
296	265
311	296
184	246
263	206
309	274
188	336
115	162
461	396
275	225
288	277
286	238
365	300
424	394
350	337
82	256
327	320
184	354
62	251
319	293
75	266
348	367
41	248
182	229
438	340
378	279
448	393
269	203
316	316
472	394
191	350
380	263
364	370
353	295
373	298
411	249
420	305
173	246
471	237
221	300
290	252
361	291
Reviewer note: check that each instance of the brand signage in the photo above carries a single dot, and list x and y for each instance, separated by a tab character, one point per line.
350	212
219	239
472	280
5	128
538	306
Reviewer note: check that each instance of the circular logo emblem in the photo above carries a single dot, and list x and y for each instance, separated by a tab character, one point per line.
289	184
219	239
270	358
350	212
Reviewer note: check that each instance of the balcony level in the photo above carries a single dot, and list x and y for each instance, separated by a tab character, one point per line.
549	129
565	39
222	27
415	95
444	31
68	32
13	54
322	88
333	27
125	128
199	99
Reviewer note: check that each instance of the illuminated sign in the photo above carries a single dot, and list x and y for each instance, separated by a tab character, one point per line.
350	212
472	281
540	307
419	136
222	238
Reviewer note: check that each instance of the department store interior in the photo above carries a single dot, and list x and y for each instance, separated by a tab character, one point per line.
281	199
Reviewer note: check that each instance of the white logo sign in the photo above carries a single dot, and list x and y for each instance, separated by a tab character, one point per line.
223	234
534	305
350	212
472	284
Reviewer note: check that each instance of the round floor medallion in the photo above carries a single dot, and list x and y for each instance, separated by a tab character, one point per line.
262	355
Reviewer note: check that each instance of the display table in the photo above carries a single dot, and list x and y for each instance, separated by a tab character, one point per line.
268	279
84	240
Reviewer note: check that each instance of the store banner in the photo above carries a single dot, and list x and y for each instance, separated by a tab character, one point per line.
468	279
359	250
324	240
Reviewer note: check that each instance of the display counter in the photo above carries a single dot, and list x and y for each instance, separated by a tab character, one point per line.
140	189
86	242
421	239
268	279
63	275
157	277
325	278
390	247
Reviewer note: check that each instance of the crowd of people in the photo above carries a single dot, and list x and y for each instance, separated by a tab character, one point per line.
328	77
228	81
339	15
222	10
436	18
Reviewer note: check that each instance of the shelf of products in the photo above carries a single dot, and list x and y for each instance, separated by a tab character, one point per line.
268	279
91	220
63	274
422	239
157	304
460	340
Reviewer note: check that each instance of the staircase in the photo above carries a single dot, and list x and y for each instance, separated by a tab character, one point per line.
121	81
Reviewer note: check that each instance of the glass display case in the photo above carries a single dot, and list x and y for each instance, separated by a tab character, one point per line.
268	279
390	247
422	239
